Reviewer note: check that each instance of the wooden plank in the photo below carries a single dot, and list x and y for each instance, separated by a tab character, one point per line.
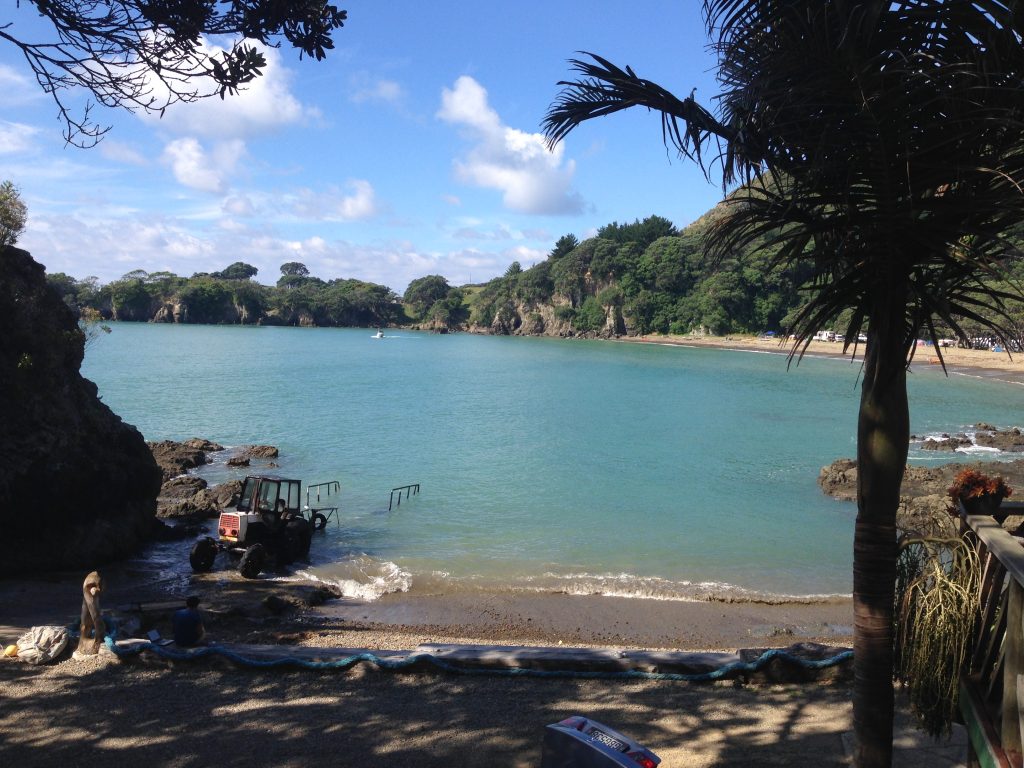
990	601
993	639
1000	543
1013	664
989	606
980	730
1020	711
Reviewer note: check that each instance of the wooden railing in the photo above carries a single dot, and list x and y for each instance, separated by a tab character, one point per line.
992	687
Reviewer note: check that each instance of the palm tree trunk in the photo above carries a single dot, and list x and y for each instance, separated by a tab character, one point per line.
883	432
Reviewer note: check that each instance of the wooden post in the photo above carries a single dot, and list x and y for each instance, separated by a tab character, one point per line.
1013	664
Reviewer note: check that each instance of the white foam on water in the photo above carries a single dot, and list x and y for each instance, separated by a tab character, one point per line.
361	578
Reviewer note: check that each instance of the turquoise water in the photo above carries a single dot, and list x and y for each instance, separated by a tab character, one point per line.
544	464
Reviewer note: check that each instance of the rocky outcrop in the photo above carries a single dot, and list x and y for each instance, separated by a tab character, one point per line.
78	486
177	458
1009	440
924	502
258	452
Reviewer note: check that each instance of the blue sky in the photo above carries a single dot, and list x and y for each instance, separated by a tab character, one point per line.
414	149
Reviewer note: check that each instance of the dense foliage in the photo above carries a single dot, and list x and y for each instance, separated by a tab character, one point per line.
649	276
640	278
230	296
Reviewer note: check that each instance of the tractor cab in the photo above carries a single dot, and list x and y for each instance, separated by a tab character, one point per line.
275	499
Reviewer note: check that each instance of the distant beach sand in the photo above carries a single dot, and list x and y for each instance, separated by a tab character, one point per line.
976	363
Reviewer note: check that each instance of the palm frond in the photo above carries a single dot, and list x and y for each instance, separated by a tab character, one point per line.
605	88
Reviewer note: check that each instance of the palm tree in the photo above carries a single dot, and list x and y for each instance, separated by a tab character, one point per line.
883	143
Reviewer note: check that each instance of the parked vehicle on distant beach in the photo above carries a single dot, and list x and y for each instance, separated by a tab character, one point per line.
268	524
825	336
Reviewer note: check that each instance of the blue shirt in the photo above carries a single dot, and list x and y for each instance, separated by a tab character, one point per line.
188	626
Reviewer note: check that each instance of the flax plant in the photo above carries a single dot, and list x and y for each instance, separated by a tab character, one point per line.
936	608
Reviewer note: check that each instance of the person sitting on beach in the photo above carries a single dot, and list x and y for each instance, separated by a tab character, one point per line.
188	624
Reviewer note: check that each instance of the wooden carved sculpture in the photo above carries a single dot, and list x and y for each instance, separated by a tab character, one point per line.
92	627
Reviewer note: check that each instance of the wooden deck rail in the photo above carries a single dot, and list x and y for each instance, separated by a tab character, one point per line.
992	687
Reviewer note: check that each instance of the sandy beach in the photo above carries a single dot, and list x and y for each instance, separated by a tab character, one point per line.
974	363
78	712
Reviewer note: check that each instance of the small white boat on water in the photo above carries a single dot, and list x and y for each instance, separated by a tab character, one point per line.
378	335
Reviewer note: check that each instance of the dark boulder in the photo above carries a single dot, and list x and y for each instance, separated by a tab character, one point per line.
1008	440
226	495
176	458
203	444
258	452
78	486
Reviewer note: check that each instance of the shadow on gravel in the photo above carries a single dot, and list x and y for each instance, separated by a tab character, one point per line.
198	715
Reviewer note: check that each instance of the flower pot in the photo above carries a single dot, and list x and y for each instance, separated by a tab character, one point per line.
986	504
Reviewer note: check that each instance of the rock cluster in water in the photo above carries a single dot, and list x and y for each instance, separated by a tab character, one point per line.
78	486
186	501
924	502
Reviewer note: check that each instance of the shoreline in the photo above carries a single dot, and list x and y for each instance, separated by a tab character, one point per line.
294	610
971	363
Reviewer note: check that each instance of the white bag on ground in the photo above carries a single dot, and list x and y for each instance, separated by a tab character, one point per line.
41	645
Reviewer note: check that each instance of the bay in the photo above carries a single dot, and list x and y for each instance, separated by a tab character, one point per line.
544	464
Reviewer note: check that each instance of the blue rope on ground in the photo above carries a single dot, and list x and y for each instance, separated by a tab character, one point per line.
408	661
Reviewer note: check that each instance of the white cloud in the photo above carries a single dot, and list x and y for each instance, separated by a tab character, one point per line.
15	137
365	89
238	205
194	167
357	202
532	179
261	107
121	153
16	88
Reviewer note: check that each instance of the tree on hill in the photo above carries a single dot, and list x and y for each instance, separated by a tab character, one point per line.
296	268
13	214
882	145
423	292
564	245
643	233
237	271
145	55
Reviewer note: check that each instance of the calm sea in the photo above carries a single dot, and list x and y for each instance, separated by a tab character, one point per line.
544	464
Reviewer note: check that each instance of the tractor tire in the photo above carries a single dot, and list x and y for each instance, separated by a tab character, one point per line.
203	553
318	521
253	560
295	543
305	531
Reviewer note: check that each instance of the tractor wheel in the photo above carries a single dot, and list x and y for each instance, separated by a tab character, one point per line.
252	561
318	521
305	531
296	542
203	554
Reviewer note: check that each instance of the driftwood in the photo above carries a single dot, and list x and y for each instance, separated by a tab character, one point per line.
92	627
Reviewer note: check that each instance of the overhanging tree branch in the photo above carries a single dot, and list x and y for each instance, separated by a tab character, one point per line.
145	55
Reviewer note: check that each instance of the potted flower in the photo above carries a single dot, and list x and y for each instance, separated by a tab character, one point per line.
980	493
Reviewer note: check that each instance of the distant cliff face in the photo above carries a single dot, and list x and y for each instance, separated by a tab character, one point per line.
78	486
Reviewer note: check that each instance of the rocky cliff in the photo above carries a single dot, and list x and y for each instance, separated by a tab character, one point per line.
78	486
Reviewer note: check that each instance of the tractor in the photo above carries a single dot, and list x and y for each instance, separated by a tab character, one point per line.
267	524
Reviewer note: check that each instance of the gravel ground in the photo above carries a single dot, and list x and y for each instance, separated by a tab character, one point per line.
97	711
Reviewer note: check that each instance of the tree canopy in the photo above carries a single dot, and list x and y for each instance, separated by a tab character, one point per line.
146	55
13	214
